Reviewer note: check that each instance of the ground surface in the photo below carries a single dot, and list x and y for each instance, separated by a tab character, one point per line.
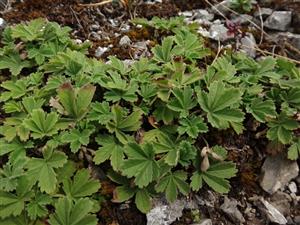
104	26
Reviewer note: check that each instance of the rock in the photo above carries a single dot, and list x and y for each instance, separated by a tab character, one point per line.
150	2
294	39
2	23
95	27
272	213
219	32
203	15
279	20
230	208
264	12
297	220
276	172
248	45
78	41
100	51
204	222
222	7
125	41
282	202
141	49
242	19
296	21
125	27
95	35
128	62
166	213
266	2
203	32
186	14
293	187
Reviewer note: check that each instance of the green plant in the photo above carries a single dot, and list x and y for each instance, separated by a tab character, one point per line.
145	125
241	5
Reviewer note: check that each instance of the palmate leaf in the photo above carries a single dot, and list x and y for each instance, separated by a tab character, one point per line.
172	183
77	138
118	87
68	212
10	174
30	32
281	129
81	185
14	63
41	170
100	112
292	97
163	53
42	124
116	95
20	220
220	104
189	45
71	63
141	164
13	127
15	89
111	150
183	101
127	191
187	153
162	112
15	149
31	103
12	204
221	70
122	123
37	206
76	101
192	125
294	150
261	110
142	197
163	143
215	177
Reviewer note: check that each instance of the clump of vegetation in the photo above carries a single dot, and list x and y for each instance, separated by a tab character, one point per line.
145	123
241	5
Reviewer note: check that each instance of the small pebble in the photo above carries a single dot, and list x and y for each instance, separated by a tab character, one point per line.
293	187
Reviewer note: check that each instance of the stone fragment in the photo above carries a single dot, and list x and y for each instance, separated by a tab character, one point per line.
242	19
276	172
294	39
125	41
230	208
166	213
282	202
272	213
186	13
222	7
297	219
2	23
219	32
204	222
263	12
293	187
203	15
248	45
279	20
100	51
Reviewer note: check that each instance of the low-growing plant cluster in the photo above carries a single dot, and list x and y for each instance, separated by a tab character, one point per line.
144	125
